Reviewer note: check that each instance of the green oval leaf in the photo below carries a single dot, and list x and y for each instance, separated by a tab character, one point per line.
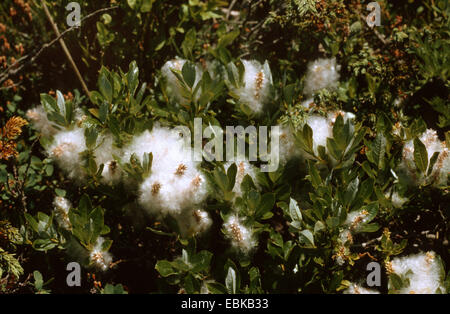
420	155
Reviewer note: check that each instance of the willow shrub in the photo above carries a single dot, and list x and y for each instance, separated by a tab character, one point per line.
109	183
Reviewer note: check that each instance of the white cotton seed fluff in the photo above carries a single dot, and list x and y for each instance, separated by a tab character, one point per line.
193	222
321	128
397	200
426	273
111	173
332	116
66	149
440	169
104	154
243	168
352	224
174	87
256	89
165	144
170	193
345	236
287	146
79	117
321	74
39	119
215	69
308	104
61	207
241	237
342	254
398	130
175	183
100	258
357	289
356	219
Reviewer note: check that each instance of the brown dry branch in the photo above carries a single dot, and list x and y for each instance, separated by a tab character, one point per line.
22	62
380	36
65	49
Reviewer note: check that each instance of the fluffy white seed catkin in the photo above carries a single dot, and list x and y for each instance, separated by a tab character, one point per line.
256	89
356	219
100	258
287	146
175	183
352	224
39	119
66	149
104	154
174	87
357	289
80	117
215	69
241	237
162	142
193	222
346	236
61	207
170	190
440	169
332	116
426	273
321	74
322	128
398	130
243	168
397	200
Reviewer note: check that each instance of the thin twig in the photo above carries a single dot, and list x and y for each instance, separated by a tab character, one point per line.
30	58
11	86
368	243
255	28
380	36
25	176
230	8
65	49
8	187
247	16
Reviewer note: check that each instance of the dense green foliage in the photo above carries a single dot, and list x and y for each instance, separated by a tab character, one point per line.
394	78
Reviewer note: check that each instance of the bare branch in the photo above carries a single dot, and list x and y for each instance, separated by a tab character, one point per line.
380	36
65	49
229	9
17	66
